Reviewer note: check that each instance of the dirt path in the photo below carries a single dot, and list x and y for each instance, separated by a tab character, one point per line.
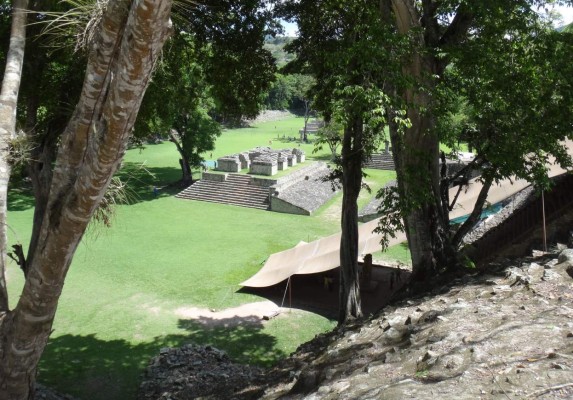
246	313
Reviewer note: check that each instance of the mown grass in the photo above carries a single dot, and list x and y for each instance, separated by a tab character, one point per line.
127	285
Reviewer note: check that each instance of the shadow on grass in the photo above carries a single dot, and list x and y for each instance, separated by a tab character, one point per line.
90	368
241	337
21	198
142	180
322	157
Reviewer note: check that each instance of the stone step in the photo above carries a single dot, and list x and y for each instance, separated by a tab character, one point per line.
223	198
209	191
381	161
236	190
231	203
226	185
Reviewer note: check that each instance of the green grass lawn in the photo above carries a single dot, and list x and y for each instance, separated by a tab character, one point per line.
126	284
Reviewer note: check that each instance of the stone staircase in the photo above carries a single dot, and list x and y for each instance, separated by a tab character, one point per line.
381	161
236	190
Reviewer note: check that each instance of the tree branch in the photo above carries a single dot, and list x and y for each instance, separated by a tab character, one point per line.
8	104
430	22
19	258
459	27
476	213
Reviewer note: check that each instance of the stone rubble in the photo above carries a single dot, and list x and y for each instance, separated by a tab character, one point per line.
192	372
504	333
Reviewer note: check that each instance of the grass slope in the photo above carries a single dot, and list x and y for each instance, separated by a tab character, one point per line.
127	284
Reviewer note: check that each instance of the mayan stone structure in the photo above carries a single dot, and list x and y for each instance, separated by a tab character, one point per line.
261	161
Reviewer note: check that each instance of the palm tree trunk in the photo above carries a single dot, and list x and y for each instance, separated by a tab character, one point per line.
127	45
8	103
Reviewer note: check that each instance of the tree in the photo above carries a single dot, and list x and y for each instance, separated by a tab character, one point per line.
193	133
330	134
301	93
214	69
239	70
8	105
279	96
338	46
422	54
126	44
175	106
449	35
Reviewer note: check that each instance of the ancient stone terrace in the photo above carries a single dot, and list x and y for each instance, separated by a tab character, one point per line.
301	192
261	161
232	189
312	127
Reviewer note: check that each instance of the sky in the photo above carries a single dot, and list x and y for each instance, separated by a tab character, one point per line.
566	13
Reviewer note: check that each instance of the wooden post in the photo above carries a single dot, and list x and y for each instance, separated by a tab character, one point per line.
289	294
544	228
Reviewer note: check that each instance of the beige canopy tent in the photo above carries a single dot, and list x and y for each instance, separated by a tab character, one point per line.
323	254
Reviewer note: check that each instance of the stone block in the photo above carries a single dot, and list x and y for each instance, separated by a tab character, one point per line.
263	168
229	163
292	161
245	160
208	176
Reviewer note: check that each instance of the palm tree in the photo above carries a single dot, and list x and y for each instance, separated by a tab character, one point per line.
125	47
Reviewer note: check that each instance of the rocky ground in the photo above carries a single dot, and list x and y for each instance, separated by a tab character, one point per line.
503	333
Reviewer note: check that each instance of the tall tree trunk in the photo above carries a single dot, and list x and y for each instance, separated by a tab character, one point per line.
306	118
129	39
417	155
349	294
186	173
8	103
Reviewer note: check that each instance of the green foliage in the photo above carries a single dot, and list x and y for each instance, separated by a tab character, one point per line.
231	34
330	134
276	46
289	92
280	93
345	48
518	88
197	134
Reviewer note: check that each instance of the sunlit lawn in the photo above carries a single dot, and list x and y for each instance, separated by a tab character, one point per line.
126	284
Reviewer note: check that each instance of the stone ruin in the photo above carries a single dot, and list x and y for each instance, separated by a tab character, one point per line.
311	127
261	160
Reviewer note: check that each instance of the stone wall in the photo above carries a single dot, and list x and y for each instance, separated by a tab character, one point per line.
229	164
214	177
284	182
261	161
245	160
282	206
302	192
263	182
263	168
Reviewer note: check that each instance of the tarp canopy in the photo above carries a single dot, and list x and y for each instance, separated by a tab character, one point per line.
318	256
324	254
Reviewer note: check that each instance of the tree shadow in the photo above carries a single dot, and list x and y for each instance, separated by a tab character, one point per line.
149	183
87	367
20	198
323	157
143	184
241	337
